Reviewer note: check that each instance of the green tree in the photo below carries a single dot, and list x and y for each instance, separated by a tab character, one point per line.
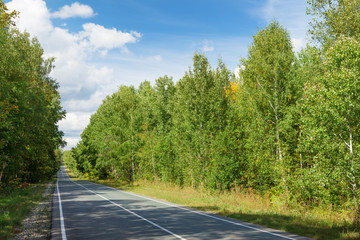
6	18
163	114
267	93
200	106
331	123
148	164
333	18
29	110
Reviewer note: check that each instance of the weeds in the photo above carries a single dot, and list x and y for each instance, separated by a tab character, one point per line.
16	204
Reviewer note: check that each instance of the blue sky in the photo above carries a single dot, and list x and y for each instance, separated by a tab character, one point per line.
100	45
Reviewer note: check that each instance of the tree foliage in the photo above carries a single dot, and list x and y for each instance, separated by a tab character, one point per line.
29	108
332	19
330	141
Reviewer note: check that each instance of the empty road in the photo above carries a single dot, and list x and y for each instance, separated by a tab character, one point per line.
85	210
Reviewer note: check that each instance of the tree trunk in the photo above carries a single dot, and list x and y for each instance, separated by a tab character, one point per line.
301	162
278	142
153	163
2	170
353	180
132	159
132	149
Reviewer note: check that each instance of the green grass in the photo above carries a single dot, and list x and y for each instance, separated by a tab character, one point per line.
318	223
16	204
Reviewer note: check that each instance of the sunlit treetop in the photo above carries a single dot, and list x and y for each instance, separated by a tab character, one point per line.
6	17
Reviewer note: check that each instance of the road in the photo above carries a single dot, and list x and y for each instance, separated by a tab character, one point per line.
85	210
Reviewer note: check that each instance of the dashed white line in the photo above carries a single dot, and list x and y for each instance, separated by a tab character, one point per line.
204	214
129	211
176	206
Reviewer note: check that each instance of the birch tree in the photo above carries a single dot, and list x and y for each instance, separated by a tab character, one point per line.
331	123
267	93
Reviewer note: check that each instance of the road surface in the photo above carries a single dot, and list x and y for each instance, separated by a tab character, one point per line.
85	210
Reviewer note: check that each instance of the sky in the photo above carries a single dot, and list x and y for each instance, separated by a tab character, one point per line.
101	45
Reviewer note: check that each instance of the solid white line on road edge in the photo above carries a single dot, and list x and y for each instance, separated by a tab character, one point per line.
183	208
204	214
129	211
63	232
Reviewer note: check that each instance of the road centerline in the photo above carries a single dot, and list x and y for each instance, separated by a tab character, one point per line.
203	214
131	212
181	224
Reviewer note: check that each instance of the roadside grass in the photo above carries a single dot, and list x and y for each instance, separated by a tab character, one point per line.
16	204
248	206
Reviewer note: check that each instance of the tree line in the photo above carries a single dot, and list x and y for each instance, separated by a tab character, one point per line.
29	108
288	125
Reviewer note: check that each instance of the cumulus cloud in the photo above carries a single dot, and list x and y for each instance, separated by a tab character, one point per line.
73	125
71	141
83	82
75	121
34	16
75	10
100	38
90	103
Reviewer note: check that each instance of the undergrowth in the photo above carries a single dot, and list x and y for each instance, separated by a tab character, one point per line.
16	203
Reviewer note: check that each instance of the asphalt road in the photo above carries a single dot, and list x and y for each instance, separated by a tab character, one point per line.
85	210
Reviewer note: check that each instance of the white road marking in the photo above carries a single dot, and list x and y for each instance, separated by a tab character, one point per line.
176	206
62	224
203	214
129	211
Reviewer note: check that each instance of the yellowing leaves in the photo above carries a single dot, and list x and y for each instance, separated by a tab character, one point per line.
231	90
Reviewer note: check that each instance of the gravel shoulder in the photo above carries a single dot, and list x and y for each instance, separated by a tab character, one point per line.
38	224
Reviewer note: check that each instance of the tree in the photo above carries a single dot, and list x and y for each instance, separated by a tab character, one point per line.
29	110
163	115
331	122
200	106
332	19
267	93
6	18
148	163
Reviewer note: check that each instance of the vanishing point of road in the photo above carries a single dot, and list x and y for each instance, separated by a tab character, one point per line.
85	210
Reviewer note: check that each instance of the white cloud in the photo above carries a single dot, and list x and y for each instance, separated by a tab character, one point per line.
208	46
298	43
88	104
83	82
71	142
34	16
75	10
238	69
75	121
98	37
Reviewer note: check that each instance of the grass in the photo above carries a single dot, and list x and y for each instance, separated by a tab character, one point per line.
318	223
16	204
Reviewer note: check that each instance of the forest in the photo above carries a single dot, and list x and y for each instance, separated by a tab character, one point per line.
287	125
30	108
